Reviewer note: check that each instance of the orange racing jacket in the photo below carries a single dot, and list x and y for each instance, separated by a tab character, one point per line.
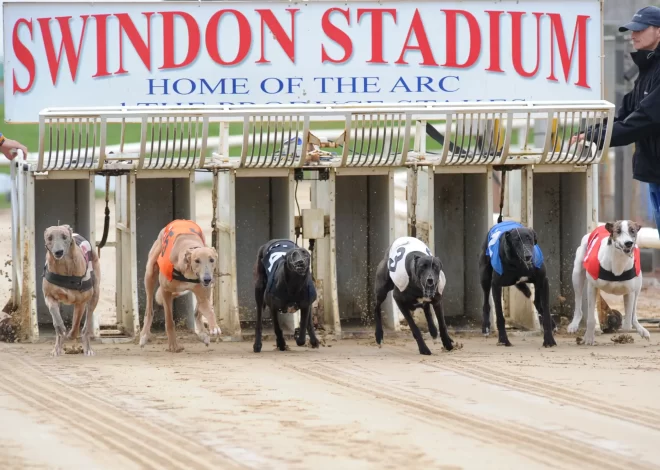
172	231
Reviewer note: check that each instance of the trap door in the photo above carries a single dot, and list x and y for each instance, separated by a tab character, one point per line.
58	198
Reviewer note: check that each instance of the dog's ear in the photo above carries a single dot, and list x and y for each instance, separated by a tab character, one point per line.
187	258
68	227
536	237
609	226
637	226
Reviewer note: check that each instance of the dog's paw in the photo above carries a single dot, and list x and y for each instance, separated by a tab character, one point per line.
204	338
485	331
589	340
215	331
314	343
424	350
572	328
89	352
300	341
256	347
505	342
144	339
550	342
644	333
175	348
57	352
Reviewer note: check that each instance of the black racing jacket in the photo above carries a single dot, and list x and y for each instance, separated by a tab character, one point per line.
638	119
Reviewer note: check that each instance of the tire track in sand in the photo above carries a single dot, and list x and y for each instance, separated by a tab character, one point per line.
150	445
523	439
554	392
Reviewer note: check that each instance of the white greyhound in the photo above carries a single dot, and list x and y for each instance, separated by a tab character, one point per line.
608	259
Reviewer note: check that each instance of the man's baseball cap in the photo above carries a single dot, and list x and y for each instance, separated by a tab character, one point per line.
647	16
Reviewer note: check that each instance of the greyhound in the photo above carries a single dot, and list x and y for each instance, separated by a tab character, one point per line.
417	279
72	275
613	267
283	282
510	256
181	262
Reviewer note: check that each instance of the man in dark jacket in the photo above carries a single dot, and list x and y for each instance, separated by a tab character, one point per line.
638	118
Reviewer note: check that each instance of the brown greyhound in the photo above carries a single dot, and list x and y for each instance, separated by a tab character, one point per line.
181	262
72	275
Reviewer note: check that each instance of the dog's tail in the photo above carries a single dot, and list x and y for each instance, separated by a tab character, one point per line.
522	287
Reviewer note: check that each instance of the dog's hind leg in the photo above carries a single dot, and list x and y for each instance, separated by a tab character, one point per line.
259	291
486	280
423	348
60	329
88	331
592	293
439	310
579	279
501	324
383	286
150	277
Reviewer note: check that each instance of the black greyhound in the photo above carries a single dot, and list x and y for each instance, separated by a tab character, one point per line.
510	256
416	277
283	283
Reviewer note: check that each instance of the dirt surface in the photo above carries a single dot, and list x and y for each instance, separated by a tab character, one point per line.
348	405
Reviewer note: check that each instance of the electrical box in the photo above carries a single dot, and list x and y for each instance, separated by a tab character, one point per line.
313	223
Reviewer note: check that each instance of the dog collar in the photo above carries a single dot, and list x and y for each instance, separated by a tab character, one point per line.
624	276
178	275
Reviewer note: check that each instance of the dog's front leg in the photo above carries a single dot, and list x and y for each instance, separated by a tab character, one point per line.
501	324
592	293
643	332
433	331
486	281
281	344
302	331
150	277
579	278
169	322
313	340
541	292
439	310
204	308
60	329
423	348
88	331
78	311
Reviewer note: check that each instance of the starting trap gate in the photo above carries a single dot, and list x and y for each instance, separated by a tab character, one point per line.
373	173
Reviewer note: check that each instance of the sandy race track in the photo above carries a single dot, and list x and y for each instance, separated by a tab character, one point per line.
348	405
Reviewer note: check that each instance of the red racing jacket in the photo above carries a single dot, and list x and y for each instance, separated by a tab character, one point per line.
592	265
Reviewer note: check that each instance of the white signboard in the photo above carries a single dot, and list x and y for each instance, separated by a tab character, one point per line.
152	53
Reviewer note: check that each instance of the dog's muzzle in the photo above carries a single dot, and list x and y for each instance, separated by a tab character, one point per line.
628	248
430	288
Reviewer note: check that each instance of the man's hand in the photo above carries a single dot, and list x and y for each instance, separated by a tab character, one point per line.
9	145
575	138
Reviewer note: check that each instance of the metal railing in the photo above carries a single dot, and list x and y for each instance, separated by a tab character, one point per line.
382	135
